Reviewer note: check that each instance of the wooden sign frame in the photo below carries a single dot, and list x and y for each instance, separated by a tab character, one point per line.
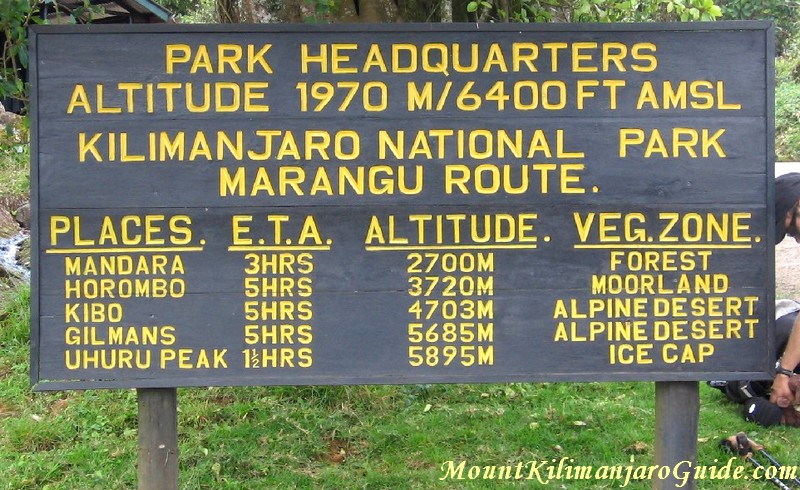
285	204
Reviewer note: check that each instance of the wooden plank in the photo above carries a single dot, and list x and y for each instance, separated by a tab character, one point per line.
158	439
677	417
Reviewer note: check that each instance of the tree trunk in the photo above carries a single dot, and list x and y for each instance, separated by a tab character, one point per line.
370	11
367	11
292	11
228	11
446	11
248	11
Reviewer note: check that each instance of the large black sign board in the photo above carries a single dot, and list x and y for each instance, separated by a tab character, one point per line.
393	204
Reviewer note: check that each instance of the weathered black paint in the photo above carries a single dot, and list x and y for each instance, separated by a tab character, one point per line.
360	300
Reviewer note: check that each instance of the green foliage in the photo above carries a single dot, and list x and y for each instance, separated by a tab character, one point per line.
15	16
645	10
14	157
320	10
82	14
515	11
787	68
782	12
787	121
593	10
180	7
787	102
204	12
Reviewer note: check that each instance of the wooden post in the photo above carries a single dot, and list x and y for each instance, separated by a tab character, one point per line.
158	438
677	416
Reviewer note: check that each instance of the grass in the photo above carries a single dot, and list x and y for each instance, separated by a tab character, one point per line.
260	438
787	112
14	159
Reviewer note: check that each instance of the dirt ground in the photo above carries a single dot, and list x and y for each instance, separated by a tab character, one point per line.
787	270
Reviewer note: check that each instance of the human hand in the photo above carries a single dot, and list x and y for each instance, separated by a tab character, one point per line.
782	394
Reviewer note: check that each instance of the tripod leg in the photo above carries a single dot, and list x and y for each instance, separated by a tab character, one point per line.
774	462
740	445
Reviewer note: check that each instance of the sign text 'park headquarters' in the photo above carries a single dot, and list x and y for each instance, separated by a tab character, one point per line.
300	205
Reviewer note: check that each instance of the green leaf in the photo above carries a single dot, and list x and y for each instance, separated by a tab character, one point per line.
472	6
23	56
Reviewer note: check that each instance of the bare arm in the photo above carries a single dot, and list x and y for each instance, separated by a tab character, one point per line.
781	394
